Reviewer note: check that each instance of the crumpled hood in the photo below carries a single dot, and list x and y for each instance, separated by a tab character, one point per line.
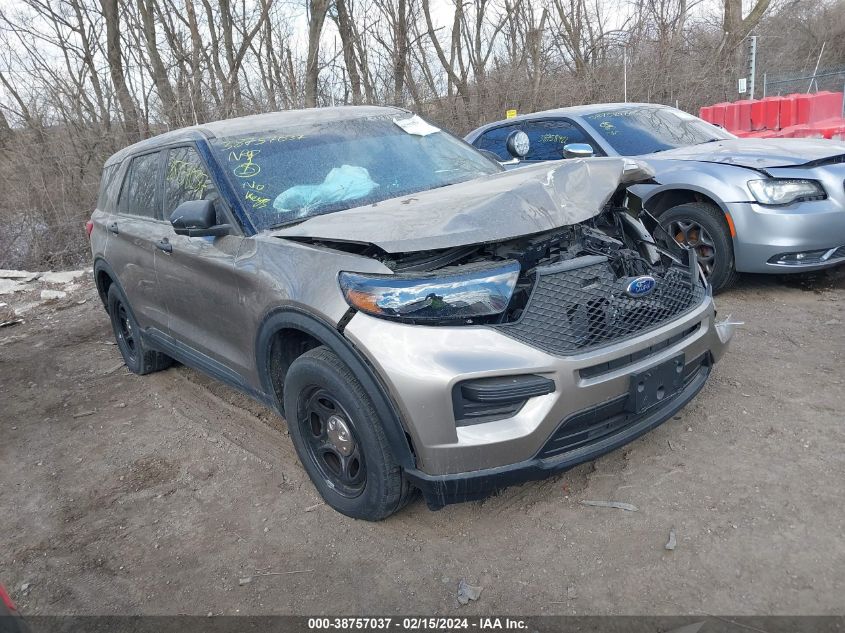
760	153
488	209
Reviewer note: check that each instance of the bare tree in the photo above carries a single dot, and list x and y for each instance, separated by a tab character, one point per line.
115	62
317	10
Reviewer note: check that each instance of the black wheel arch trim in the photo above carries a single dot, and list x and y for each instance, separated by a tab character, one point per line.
100	265
298	319
659	190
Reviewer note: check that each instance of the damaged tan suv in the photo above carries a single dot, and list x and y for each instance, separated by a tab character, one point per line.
422	318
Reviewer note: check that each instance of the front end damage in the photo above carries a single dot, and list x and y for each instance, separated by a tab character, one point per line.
603	334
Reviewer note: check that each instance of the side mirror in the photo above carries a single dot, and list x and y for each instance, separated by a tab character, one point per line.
491	155
518	144
578	150
197	218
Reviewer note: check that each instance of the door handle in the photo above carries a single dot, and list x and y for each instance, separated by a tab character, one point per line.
113	228
164	245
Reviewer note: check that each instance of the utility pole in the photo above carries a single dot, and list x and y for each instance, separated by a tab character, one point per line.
752	64
625	71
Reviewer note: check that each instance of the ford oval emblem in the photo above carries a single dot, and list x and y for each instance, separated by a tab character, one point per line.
640	286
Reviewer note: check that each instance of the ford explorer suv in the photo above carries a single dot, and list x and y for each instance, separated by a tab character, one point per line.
422	318
745	205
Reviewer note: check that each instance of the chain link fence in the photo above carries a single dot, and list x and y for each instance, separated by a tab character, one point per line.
832	79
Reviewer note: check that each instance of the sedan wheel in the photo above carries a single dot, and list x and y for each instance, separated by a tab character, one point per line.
692	234
703	228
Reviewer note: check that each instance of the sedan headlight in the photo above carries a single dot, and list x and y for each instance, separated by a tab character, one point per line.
475	291
786	190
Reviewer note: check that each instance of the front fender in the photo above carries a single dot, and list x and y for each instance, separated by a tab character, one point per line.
293	318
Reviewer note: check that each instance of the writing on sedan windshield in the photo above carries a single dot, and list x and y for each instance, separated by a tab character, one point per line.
640	130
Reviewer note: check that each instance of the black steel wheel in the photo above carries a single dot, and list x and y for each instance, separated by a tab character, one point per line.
332	442
703	227
138	358
339	438
126	334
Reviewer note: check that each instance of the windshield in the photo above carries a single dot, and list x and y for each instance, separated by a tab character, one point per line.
289	175
635	131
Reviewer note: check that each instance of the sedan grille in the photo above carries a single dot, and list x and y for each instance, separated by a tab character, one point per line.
581	304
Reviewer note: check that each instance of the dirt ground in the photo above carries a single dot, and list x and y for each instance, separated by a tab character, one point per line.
174	494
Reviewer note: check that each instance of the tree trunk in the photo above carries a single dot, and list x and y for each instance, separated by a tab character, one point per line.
115	61
318	10
157	68
347	38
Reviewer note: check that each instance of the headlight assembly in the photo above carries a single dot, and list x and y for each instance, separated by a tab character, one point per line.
785	190
472	292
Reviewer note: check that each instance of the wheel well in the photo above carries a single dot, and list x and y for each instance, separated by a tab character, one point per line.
288	333
104	282
286	346
665	200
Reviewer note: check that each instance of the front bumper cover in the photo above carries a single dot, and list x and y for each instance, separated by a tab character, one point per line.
441	490
420	366
765	233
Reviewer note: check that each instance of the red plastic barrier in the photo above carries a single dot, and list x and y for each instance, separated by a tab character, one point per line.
775	113
794	131
771	114
788	111
825	105
758	115
762	134
829	128
804	107
731	117
719	113
744	115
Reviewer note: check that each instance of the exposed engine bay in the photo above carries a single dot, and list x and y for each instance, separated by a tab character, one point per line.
575	286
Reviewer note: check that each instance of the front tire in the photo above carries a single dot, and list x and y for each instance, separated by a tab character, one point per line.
339	438
138	358
702	227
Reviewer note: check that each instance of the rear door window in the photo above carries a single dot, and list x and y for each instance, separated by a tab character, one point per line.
140	193
105	201
547	139
496	141
186	179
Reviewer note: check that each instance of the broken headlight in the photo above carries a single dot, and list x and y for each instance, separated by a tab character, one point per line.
473	291
786	190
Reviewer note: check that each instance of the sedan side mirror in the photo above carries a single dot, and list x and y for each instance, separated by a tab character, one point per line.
578	150
197	218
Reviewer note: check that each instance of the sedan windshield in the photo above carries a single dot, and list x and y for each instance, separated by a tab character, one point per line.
644	130
286	176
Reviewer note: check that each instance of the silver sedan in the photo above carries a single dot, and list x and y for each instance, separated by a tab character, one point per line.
746	205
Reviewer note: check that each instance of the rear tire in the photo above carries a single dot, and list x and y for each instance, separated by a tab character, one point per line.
340	440
138	358
703	227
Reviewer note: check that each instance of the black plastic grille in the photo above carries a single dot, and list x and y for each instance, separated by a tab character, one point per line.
596	423
580	304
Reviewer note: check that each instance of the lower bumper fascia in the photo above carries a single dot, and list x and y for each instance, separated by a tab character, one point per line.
442	490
